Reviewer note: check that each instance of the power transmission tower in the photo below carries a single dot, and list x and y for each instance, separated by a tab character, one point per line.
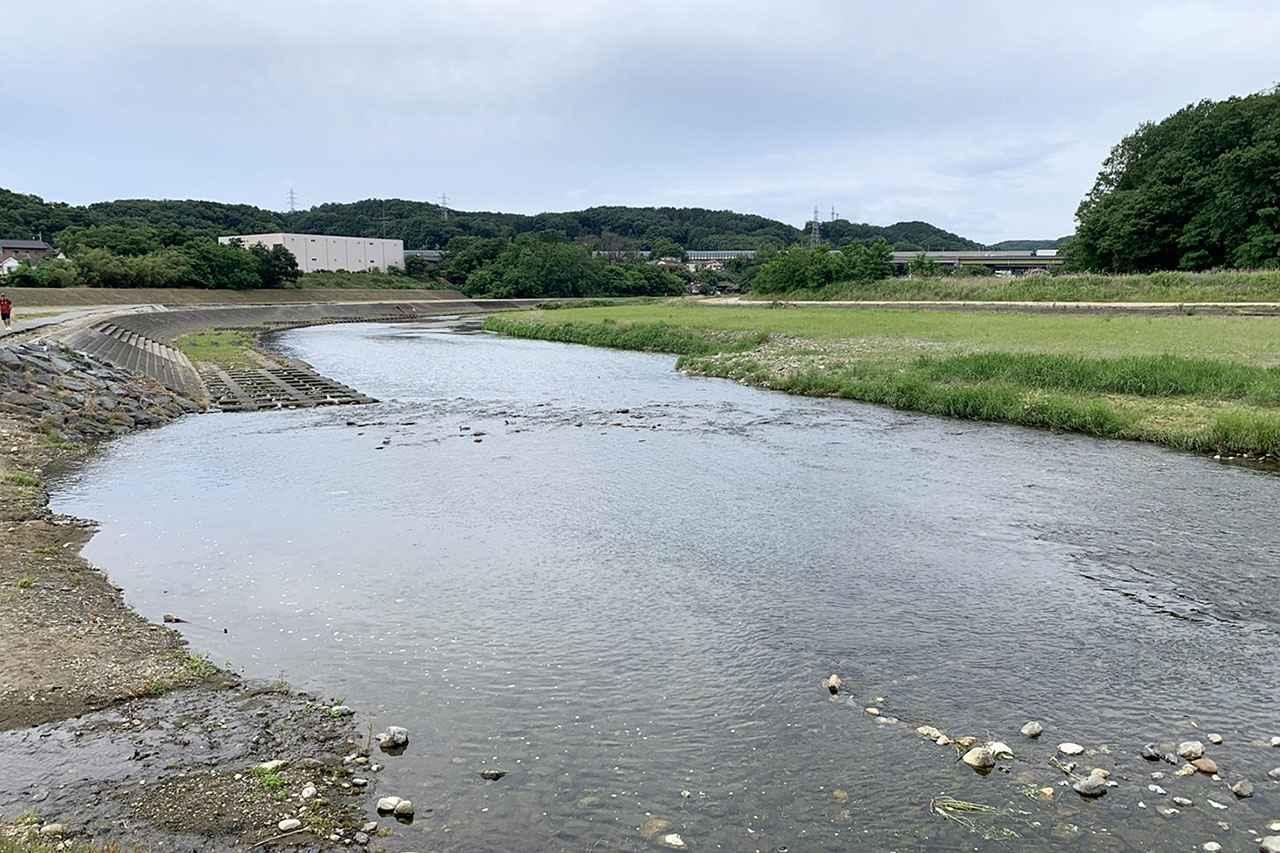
293	201
833	213
444	203
815	237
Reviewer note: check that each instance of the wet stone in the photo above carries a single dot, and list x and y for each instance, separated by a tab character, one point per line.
1242	789
1032	729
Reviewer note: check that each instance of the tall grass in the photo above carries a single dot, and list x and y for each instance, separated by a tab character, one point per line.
1141	376
645	337
1174	287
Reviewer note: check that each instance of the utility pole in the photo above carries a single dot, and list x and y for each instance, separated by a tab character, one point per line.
815	237
293	201
444	203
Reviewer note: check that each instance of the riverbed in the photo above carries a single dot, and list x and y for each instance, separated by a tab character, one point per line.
624	586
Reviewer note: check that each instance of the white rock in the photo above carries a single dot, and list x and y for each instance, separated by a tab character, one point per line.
833	683
341	711
672	840
1274	774
930	732
873	711
1214	739
1274	826
1032	729
1215	804
309	792
1182	801
1185	770
1000	749
404	808
359	782
1156	789
290	824
271	766
1168	812
1191	749
388	804
1275	741
53	829
1070	748
1270	844
1211	846
943	741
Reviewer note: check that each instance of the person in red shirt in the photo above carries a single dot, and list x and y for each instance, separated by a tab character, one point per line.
6	311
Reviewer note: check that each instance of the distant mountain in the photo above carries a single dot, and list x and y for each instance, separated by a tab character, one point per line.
426	225
1028	245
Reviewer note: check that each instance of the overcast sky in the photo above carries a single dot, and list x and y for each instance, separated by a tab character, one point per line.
986	118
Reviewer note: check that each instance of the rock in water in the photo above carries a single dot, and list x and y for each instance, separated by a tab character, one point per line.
672	840
387	805
653	827
1190	749
1206	765
833	683
1214	739
290	824
1070	748
1182	801
1150	752
1185	771
1242	789
1270	844
492	775
1094	785
930	732
404	808
1032	729
979	758
1274	774
1211	847
1275	741
1000	749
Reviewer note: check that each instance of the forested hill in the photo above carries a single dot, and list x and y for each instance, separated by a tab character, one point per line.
426	225
1027	245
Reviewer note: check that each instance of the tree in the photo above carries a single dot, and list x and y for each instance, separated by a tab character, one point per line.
277	267
663	247
1194	191
922	266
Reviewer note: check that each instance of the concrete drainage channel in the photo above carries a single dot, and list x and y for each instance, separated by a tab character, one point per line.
247	389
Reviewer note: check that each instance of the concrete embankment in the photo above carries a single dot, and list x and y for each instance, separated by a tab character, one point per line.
58	297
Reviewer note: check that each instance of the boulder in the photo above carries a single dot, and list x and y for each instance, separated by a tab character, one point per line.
388	805
1069	748
1205	765
1242	789
1093	785
404	808
1032	729
1000	749
930	732
1270	844
1190	749
979	758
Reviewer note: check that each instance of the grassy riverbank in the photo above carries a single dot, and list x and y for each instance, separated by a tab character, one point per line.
1173	287
225	347
1206	384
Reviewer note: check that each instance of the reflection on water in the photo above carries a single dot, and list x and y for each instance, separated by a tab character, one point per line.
627	591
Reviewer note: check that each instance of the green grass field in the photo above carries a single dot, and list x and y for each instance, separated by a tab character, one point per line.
1175	287
1202	383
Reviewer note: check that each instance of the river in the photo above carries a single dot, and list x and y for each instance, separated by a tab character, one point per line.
624	586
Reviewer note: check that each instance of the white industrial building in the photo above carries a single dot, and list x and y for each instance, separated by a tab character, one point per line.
325	253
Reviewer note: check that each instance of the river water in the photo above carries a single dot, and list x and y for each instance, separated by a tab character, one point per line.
627	592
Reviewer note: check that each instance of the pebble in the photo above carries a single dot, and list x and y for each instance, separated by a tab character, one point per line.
979	758
1274	774
672	840
361	838
1185	770
290	824
1214	739
1070	748
1168	811
840	795
492	775
341	711
1182	801
1156	789
271	766
1150	752
1215	804
370	826
1032	729
359	782
1242	789
1275	741
53	829
872	710
1190	749
1211	847
309	792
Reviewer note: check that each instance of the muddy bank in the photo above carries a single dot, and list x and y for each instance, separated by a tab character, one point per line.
111	729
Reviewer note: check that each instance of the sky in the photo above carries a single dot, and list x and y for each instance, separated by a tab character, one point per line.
989	119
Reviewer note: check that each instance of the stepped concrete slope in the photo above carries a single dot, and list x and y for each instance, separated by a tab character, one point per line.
142	340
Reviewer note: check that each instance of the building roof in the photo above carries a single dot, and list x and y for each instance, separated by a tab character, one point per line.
25	244
720	254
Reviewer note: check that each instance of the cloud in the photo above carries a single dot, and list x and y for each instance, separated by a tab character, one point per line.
988	118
